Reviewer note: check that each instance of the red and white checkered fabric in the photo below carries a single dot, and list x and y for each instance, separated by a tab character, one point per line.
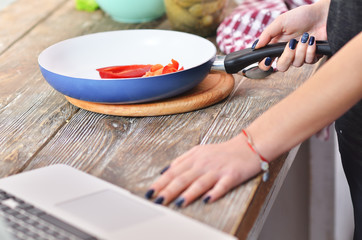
248	20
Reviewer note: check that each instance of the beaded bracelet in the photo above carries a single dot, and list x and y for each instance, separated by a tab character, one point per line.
263	162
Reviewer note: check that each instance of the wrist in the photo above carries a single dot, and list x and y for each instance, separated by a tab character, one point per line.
264	163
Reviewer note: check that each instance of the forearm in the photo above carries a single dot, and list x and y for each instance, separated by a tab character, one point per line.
321	9
329	93
322	6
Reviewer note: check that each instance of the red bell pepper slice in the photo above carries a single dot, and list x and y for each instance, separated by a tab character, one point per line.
135	71
156	67
174	63
171	67
128	71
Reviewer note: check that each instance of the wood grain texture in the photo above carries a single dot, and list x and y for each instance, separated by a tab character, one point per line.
141	147
22	15
214	88
30	111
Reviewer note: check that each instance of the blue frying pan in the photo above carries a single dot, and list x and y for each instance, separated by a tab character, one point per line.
70	66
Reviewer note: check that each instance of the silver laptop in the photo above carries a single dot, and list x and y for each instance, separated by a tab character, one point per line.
60	202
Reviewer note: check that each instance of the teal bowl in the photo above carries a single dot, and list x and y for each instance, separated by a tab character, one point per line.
133	11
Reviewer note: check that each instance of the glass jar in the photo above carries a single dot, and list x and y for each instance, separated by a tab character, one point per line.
201	17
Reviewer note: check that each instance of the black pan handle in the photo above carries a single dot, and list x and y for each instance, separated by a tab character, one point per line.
237	61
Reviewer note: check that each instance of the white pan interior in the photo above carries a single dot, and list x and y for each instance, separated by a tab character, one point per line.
80	57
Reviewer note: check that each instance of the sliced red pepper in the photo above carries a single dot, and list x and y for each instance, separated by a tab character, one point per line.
171	67
135	71
123	67
175	63
128	71
156	67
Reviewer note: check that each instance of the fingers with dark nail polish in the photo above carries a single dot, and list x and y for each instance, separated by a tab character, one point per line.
149	193
179	201
159	200
268	61
311	41
165	169
206	199
254	44
304	38
292	44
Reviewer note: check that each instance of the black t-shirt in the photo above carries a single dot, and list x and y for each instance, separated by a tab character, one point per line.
345	22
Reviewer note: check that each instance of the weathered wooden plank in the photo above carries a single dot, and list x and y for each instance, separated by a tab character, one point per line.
161	139
135	167
30	111
22	133
132	141
129	152
21	16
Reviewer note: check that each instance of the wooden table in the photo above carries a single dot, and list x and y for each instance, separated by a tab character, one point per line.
38	126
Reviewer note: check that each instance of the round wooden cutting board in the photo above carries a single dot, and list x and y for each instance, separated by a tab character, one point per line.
214	88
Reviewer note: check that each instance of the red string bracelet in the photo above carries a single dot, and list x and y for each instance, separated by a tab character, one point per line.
263	162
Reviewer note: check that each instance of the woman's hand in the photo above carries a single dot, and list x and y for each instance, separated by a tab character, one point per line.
305	24
206	170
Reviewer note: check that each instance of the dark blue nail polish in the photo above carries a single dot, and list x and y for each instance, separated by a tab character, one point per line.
149	193
292	44
268	61
159	200
165	169
179	201
254	44
311	40
304	37
207	199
